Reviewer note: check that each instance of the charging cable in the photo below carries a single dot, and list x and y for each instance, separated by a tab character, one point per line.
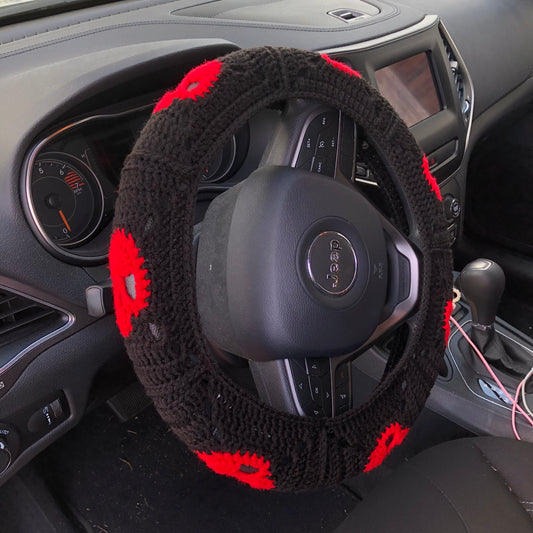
514	401
524	400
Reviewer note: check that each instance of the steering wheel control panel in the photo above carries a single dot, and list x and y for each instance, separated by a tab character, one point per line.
327	144
320	386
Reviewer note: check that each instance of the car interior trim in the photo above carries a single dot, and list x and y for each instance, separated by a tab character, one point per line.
427	22
33	347
27	179
79	82
503	405
468	78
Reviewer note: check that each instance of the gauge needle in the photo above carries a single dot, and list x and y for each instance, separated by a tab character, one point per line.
64	218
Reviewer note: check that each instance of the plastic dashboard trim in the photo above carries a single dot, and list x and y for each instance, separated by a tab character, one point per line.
27	202
429	22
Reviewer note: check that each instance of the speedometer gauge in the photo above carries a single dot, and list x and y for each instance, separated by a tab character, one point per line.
66	199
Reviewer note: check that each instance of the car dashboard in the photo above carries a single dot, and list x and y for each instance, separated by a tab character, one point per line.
77	89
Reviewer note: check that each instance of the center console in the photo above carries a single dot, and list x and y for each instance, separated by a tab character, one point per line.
465	393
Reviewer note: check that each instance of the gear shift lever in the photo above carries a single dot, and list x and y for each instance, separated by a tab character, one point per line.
482	284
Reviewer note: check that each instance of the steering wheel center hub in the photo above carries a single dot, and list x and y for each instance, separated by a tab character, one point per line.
284	257
332	263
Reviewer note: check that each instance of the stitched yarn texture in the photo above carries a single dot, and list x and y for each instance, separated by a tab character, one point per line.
156	206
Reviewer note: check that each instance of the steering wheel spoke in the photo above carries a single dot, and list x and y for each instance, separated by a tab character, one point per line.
313	386
316	138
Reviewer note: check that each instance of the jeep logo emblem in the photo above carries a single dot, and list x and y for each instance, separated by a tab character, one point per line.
331	263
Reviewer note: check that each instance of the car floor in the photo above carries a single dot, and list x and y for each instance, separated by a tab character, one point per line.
136	476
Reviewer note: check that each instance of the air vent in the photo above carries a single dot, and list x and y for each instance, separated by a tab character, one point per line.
22	318
458	77
348	15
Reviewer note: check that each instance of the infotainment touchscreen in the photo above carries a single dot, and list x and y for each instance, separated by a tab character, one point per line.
409	86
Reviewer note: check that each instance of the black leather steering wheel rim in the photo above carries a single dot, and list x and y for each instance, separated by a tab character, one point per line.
152	269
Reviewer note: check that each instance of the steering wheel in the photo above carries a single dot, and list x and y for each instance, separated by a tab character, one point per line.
295	271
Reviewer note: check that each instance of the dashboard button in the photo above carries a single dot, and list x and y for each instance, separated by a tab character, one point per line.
452	231
46	417
452	207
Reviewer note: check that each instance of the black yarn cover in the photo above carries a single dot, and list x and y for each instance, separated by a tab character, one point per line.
156	205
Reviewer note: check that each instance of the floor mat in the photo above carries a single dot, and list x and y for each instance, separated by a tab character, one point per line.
137	477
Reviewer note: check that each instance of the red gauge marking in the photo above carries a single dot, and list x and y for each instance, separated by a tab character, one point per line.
73	180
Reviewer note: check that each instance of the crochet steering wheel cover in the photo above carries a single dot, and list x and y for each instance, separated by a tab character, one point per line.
229	429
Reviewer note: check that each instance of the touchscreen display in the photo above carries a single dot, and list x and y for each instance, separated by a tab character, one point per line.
410	88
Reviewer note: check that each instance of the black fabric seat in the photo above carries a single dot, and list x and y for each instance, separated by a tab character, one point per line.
478	485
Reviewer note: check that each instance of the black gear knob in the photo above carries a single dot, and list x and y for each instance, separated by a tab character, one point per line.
482	284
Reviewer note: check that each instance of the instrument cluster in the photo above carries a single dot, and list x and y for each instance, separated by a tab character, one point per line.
72	179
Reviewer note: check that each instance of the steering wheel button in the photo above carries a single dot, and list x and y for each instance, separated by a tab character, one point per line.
325	120
319	165
332	142
317	388
324	166
322	146
309	143
342	399
342	395
327	142
341	376
317	412
317	367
